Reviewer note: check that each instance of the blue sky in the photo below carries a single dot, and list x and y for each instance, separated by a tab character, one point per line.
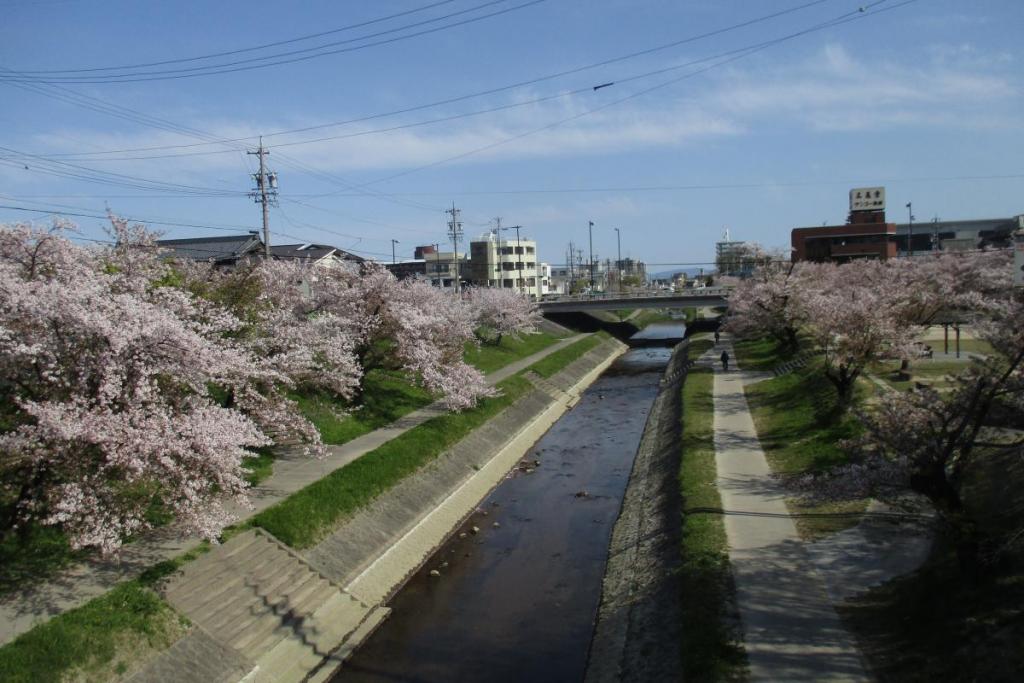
924	99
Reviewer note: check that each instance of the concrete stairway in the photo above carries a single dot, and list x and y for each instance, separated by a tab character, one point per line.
798	361
255	596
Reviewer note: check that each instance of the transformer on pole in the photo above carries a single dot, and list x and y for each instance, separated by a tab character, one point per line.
264	193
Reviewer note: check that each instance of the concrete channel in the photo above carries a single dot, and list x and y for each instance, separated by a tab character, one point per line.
513	590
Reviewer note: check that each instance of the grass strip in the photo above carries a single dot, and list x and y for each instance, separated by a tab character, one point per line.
761	354
35	554
490	357
698	347
933	625
800	429
305	517
104	638
387	396
551	364
711	644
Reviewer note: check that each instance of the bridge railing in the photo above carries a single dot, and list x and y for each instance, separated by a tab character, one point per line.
629	296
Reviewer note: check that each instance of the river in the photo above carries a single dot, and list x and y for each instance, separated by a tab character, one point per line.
516	599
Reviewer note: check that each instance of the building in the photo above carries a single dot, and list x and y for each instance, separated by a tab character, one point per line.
443	267
227	250
321	255
867	234
631	269
735	258
506	263
841	243
409	268
962	235
222	250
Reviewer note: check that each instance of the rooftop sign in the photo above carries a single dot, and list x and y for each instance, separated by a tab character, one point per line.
867	199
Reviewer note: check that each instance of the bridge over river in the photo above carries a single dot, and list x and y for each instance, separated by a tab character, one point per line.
610	301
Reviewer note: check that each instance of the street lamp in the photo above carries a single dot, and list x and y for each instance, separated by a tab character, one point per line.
910	229
437	266
590	233
618	263
393	243
520	273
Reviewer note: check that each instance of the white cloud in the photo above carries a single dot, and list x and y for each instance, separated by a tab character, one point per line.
834	90
838	91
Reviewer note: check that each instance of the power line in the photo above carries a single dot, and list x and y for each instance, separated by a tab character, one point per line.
860	13
254	48
706	186
193	72
481	93
68	169
150	221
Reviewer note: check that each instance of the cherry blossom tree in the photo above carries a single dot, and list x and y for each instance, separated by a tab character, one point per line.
501	312
849	313
105	378
932	442
407	325
765	303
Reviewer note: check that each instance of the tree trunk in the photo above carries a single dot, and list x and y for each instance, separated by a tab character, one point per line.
963	530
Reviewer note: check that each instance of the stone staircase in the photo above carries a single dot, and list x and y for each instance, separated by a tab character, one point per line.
264	602
792	364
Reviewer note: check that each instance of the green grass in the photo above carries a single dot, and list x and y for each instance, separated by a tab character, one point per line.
96	641
490	357
973	345
699	346
387	396
760	354
932	625
798	422
551	364
800	428
258	466
308	515
34	556
934	373
711	645
649	316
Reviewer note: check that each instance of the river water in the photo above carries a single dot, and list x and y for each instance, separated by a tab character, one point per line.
516	599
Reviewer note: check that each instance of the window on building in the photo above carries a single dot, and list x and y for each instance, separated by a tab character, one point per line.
507	284
529	250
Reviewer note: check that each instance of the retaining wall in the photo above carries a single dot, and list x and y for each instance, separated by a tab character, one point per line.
375	552
636	637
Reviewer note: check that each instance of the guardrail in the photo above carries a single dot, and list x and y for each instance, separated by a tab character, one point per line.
699	293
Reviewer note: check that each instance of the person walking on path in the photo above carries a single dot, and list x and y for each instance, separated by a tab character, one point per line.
716	337
725	361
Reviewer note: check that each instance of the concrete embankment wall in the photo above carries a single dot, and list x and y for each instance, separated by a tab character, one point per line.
376	551
636	637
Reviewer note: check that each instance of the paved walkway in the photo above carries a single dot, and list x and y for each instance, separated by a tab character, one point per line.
791	631
21	610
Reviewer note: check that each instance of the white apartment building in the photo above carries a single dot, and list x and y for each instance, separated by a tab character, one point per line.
507	263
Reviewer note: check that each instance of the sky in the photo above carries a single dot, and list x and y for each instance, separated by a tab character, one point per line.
719	116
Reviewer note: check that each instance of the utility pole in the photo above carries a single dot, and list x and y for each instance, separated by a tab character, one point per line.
455	233
590	232
618	264
264	193
393	243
